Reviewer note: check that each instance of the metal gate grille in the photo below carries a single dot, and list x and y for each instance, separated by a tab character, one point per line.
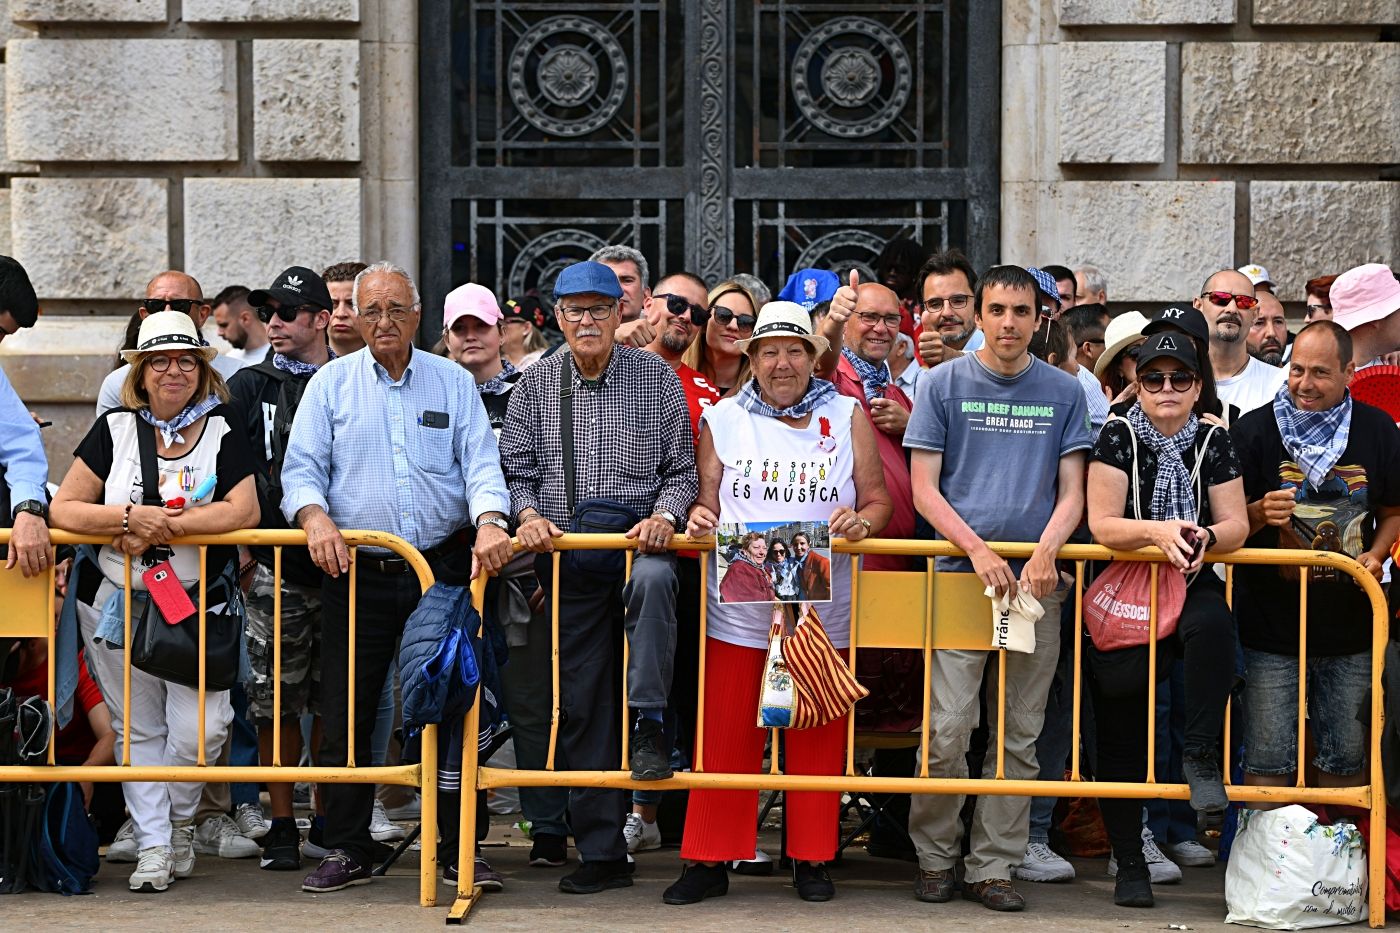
714	135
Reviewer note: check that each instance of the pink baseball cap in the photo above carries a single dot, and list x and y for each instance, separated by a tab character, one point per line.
1364	294
476	300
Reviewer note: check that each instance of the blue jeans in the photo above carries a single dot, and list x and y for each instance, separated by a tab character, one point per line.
383	721
1171	821
1336	687
243	747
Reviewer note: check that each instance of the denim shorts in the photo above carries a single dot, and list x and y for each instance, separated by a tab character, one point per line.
1337	686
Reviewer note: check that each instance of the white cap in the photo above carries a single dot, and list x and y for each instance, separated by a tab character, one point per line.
1256	274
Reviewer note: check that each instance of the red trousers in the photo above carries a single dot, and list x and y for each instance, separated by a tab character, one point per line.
722	825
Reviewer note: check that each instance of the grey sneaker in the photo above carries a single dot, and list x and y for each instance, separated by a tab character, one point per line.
1161	869
1191	854
182	847
219	836
250	820
1043	864
123	847
1207	784
155	869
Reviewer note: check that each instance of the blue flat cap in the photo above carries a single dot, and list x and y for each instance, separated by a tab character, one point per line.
587	278
1046	283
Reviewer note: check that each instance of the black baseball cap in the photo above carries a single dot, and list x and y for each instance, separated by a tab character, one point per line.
1170	345
1187	320
295	287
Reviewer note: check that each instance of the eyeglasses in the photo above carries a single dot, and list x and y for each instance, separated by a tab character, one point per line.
1223	299
183	305
675	304
956	302
779	552
725	317
398	314
287	314
575	314
871	319
1154	382
185	361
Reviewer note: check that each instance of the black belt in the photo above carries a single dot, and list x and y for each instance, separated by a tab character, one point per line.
394	566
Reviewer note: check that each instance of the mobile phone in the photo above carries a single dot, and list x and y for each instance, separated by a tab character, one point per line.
1197	543
45	424
170	597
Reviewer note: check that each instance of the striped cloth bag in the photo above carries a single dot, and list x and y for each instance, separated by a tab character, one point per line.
806	681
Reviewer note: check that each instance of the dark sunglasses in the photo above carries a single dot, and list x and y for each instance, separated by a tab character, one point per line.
287	314
675	304
182	305
1153	382
1222	299
725	316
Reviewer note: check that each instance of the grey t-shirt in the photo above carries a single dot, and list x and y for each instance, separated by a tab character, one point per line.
1002	439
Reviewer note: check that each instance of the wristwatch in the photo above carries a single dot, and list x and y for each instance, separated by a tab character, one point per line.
500	523
33	507
1210	538
662	513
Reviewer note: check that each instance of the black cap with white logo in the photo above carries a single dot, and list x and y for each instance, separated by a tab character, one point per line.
295	287
1187	320
1176	346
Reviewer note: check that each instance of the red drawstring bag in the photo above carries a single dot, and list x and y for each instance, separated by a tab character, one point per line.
1118	604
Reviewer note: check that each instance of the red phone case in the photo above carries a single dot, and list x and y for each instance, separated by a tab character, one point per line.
170	597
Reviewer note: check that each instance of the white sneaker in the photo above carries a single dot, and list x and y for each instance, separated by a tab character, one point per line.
1042	863
1161	869
409	811
641	836
123	847
1191	854
155	869
219	836
182	847
250	820
380	826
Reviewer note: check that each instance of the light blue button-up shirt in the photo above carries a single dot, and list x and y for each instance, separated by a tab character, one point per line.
362	448
21	450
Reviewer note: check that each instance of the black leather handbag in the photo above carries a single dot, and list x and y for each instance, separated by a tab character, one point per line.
169	648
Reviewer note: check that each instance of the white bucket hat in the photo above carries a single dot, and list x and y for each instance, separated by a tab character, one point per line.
1123	331
168	330
784	319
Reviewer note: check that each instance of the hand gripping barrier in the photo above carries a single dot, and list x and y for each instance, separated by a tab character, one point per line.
930	610
29	613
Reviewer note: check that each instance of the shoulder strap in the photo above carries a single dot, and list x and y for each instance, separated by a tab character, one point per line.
1134	483
566	426
150	476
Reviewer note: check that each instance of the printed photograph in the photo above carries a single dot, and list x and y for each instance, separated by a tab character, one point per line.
759	562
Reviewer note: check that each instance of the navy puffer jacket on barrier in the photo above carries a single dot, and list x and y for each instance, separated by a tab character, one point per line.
438	667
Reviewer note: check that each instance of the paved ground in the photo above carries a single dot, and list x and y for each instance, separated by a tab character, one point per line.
872	894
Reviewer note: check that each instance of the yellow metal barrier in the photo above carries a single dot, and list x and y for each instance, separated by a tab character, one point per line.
928	611
29	613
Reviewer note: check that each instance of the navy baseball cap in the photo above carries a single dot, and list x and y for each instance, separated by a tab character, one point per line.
1187	320
810	287
587	278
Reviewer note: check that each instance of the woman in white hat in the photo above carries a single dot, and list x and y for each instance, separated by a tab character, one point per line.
785	447
1116	366
205	471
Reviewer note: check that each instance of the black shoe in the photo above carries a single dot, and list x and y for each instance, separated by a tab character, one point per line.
812	882
1207	784
592	877
281	846
696	883
1133	886
649	761
549	851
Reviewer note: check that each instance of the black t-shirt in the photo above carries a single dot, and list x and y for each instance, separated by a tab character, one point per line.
110	451
1220	465
1339	614
257	394
496	405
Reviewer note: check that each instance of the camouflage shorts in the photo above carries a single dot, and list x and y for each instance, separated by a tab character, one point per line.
301	648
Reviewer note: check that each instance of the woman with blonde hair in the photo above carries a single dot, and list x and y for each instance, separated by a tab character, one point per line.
715	355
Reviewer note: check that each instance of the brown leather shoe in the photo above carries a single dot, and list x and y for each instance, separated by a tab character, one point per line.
934	887
994	894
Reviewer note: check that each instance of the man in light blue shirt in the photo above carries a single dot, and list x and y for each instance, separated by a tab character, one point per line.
22	460
395	439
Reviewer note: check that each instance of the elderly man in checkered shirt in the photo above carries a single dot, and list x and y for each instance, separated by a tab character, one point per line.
628	466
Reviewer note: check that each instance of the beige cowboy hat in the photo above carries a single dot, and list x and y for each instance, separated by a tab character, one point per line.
168	330
784	319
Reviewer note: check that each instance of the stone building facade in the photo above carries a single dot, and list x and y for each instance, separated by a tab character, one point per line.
1158	139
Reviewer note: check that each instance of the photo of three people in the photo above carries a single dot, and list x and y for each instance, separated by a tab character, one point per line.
760	562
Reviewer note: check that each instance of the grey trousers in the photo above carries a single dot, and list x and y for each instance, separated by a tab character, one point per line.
999	824
594	616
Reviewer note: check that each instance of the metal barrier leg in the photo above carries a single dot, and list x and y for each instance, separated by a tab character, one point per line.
428	822
467	892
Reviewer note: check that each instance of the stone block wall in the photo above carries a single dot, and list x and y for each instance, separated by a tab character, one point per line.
227	138
1164	139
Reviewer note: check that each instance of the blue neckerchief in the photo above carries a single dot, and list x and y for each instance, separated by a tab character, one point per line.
498	384
818	391
874	377
170	430
1315	439
297	367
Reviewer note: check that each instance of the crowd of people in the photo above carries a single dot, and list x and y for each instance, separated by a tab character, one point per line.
1014	404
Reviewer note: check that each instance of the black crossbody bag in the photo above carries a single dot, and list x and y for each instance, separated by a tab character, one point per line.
589	516
170	650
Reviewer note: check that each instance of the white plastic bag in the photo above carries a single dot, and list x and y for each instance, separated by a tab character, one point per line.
1014	619
1289	872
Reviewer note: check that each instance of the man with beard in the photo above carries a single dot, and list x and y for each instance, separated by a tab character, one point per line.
1268	337
1228	302
946	324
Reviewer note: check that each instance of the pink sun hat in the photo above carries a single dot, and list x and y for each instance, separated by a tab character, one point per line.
476	300
1364	294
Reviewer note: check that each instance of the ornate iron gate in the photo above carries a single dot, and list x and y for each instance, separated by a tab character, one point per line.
759	136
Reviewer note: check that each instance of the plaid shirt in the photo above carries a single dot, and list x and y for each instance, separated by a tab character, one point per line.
632	438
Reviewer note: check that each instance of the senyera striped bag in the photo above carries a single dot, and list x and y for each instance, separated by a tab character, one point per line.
805	680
